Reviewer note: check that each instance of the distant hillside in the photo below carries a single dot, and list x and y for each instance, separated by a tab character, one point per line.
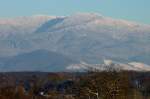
40	60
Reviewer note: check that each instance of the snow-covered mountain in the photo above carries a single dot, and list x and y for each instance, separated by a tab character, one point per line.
13	30
108	65
22	24
85	37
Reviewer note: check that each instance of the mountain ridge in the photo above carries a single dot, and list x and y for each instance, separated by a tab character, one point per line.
39	60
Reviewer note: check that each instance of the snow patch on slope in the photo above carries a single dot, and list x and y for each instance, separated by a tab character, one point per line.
109	65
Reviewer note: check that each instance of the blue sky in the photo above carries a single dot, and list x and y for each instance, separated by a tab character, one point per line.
135	10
